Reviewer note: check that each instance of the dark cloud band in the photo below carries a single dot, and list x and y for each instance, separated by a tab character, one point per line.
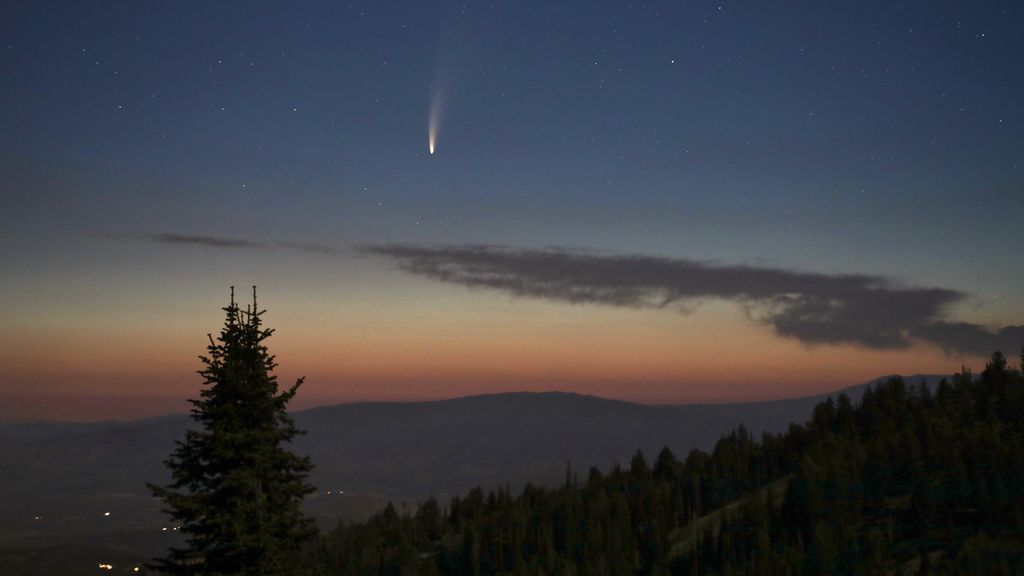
869	311
964	337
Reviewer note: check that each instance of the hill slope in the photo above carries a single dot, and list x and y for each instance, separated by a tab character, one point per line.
909	480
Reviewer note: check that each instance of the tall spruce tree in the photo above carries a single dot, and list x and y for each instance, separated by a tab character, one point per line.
235	489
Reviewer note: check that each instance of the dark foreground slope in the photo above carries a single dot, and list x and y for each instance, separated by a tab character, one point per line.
910	481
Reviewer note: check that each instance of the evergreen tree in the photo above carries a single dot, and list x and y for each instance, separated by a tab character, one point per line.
235	490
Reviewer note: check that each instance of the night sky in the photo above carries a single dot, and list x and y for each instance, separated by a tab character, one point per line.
659	202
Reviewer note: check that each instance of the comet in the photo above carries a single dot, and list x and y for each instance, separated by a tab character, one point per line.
434	121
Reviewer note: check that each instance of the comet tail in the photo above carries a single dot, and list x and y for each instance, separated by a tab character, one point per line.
434	122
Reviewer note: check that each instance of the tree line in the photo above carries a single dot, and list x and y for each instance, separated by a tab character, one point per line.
911	477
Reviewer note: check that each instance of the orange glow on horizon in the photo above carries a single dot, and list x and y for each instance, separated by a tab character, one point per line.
433	343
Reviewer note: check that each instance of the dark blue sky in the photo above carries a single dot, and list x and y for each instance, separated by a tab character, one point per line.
879	138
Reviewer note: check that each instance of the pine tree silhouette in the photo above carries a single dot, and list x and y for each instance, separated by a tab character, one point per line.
235	490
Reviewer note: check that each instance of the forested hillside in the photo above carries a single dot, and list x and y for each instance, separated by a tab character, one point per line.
912	479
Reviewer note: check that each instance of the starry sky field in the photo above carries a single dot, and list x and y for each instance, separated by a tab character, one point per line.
660	202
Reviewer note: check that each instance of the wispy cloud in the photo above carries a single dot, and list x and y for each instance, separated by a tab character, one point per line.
168	238
220	242
870	311
307	247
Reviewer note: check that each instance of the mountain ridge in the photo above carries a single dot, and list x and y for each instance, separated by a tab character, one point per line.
398	450
7	425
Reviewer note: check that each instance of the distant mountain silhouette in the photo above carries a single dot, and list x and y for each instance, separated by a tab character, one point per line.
399	450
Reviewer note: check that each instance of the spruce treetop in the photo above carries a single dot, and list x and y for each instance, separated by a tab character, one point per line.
235	489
